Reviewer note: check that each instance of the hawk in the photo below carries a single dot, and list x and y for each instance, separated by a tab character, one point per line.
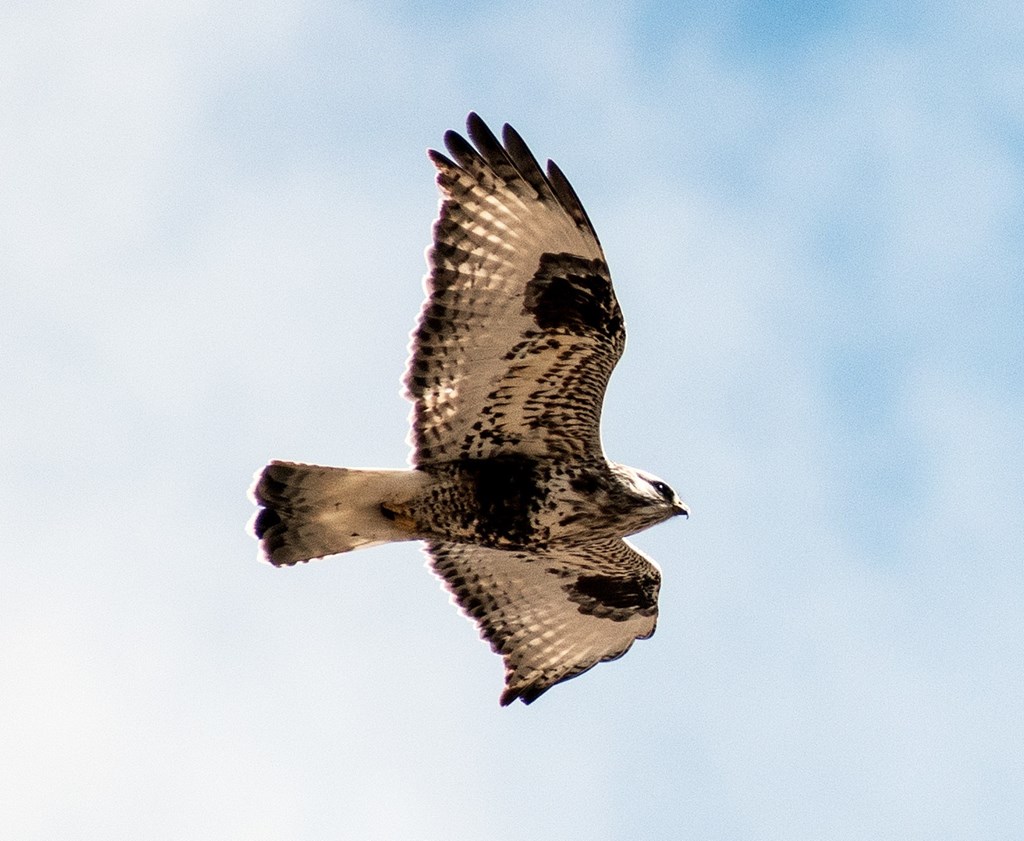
522	515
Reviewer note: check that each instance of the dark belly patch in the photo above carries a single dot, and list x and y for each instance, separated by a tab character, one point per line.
508	495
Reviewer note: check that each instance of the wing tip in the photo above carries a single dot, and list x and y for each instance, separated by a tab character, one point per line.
475	123
440	159
511	158
526	694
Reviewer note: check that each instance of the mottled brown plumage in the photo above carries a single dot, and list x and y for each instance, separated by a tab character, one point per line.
522	514
552	614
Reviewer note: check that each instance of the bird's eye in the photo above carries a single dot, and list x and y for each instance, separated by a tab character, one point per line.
662	488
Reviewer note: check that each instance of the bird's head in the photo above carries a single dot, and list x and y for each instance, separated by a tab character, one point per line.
650	495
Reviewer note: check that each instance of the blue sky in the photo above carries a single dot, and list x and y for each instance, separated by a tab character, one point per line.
212	255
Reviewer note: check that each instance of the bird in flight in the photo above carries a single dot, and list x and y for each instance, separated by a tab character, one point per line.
522	515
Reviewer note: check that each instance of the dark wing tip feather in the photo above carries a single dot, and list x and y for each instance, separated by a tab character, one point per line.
526	694
475	125
490	148
440	160
568	198
525	162
462	151
509	158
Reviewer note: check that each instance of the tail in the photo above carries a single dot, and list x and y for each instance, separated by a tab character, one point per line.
309	512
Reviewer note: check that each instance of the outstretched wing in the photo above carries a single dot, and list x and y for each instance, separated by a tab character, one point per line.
552	614
521	328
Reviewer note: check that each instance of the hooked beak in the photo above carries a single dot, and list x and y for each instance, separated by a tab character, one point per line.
681	508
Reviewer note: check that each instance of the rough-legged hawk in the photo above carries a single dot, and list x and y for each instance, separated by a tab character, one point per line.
522	514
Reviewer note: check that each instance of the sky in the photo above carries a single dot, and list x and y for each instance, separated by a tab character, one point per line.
213	226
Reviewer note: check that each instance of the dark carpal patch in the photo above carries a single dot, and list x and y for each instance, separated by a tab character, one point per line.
507	495
573	294
615	597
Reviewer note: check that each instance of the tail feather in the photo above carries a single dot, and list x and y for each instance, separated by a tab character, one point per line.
310	511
